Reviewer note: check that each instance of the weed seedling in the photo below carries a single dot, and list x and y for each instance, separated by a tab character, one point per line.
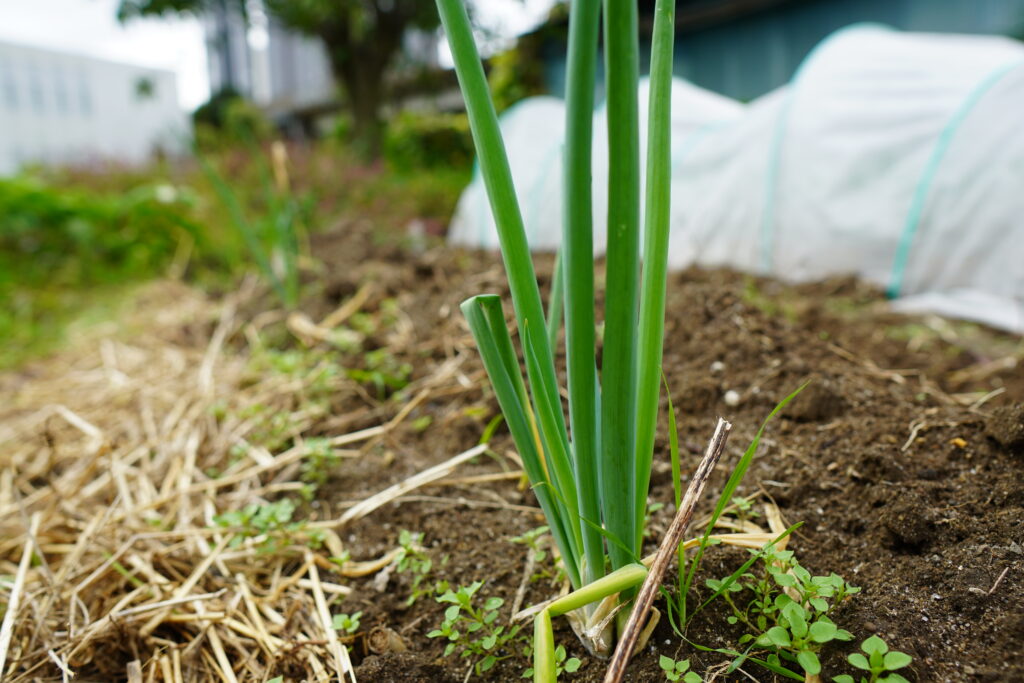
678	670
538	541
412	559
880	663
563	663
345	623
787	609
270	525
744	509
385	372
473	630
317	464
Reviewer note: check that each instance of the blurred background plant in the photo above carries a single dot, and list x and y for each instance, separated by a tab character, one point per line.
76	241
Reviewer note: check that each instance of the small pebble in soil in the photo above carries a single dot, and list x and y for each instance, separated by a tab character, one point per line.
732	398
717	367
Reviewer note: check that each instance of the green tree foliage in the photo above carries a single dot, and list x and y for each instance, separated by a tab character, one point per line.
362	39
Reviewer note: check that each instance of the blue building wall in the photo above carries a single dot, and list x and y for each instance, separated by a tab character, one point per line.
751	56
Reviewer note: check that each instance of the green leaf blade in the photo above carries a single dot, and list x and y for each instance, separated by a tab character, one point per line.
618	415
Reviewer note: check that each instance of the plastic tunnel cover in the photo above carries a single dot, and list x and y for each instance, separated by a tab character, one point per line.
924	186
771	185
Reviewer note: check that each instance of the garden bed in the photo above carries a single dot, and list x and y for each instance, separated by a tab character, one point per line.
904	459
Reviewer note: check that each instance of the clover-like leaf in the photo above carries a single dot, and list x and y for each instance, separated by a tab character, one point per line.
823	631
896	660
779	637
874	645
785	580
893	678
860	661
797	618
809	661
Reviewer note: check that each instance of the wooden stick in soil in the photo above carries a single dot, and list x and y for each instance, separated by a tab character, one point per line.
624	650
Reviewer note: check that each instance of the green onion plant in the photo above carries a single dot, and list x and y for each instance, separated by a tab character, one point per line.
590	475
274	237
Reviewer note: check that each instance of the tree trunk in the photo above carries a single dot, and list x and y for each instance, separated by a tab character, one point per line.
360	67
363	84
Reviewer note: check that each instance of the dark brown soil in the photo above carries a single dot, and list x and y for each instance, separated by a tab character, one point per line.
904	489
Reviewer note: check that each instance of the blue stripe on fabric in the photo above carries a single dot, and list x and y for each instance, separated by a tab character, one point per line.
910	229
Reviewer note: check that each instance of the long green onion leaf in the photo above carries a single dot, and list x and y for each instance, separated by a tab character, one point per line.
656	231
577	257
487	325
515	251
618	369
556	302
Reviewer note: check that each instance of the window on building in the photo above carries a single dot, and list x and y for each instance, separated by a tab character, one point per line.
9	85
35	89
84	94
60	92
145	88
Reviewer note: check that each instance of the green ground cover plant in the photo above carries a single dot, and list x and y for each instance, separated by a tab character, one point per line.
346	623
412	559
473	629
678	670
65	249
878	661
785	609
270	526
76	242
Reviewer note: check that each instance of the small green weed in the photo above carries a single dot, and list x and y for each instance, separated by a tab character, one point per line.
744	509
471	629
317	464
648	513
385	372
787	609
539	541
412	559
880	663
678	670
563	663
270	525
346	623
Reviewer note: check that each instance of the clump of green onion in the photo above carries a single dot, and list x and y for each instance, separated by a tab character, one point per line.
592	486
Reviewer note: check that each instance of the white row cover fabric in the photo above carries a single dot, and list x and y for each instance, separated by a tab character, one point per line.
897	157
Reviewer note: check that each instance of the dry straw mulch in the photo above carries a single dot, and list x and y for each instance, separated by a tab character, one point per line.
115	460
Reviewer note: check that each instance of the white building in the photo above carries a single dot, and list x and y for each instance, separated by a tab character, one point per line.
65	108
285	72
